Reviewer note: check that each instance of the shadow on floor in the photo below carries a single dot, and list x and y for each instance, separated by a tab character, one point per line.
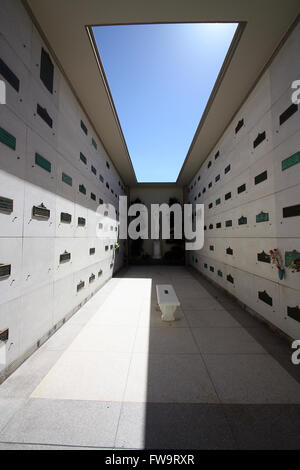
277	345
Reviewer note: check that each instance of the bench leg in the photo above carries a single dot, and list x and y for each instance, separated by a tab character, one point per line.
168	312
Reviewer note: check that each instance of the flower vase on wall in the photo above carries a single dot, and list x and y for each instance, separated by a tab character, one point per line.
281	273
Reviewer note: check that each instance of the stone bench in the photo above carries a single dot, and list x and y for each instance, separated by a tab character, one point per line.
167	301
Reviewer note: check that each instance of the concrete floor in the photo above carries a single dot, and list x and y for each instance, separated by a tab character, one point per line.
116	376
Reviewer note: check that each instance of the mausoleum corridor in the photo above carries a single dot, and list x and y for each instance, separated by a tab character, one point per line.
116	376
93	218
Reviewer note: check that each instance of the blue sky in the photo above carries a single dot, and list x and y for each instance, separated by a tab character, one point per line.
161	77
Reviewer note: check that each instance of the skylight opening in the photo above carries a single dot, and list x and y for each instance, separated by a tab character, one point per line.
160	77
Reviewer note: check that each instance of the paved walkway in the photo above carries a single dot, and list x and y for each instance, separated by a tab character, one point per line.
116	376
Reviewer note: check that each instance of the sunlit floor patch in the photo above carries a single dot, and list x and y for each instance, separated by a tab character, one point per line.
96	364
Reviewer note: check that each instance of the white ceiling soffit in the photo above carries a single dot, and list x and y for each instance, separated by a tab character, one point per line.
64	23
